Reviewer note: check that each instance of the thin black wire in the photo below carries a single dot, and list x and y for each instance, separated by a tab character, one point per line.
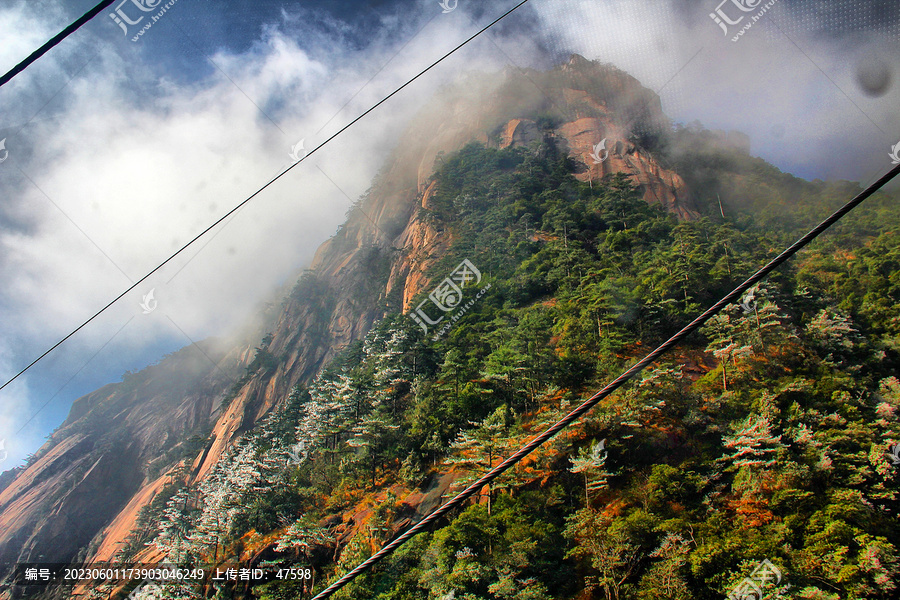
74	375
387	237
260	190
610	388
59	37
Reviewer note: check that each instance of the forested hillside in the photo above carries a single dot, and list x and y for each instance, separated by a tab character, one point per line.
767	437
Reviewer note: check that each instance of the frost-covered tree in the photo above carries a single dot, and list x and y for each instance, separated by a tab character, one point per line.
835	335
752	443
300	535
392	376
591	462
197	520
234	475
333	403
175	526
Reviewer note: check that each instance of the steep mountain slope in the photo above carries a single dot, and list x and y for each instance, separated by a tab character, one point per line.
761	443
112	441
102	465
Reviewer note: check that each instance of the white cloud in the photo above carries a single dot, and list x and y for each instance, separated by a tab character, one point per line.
133	167
142	164
800	103
31	30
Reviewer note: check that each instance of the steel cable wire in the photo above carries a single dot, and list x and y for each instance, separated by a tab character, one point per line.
259	191
54	41
609	389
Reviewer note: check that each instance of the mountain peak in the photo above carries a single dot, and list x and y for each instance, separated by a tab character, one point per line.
577	61
599	116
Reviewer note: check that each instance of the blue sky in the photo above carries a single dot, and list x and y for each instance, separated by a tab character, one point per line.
130	148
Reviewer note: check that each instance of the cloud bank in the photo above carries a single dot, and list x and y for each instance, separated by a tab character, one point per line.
122	162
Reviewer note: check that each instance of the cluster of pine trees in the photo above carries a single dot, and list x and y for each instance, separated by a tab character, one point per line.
767	436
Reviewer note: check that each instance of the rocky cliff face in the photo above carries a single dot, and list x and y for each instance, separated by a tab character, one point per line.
121	443
102	455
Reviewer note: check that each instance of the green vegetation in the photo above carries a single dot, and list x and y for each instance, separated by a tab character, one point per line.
764	437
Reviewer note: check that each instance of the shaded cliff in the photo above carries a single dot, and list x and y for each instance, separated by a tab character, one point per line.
100	457
81	495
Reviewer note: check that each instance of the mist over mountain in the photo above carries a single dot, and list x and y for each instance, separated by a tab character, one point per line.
333	421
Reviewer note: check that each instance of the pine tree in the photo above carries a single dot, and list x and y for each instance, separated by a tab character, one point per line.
453	371
236	473
752	443
665	580
371	437
765	325
592	463
726	340
301	535
480	447
508	366
392	377
834	334
335	401
614	556
175	527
